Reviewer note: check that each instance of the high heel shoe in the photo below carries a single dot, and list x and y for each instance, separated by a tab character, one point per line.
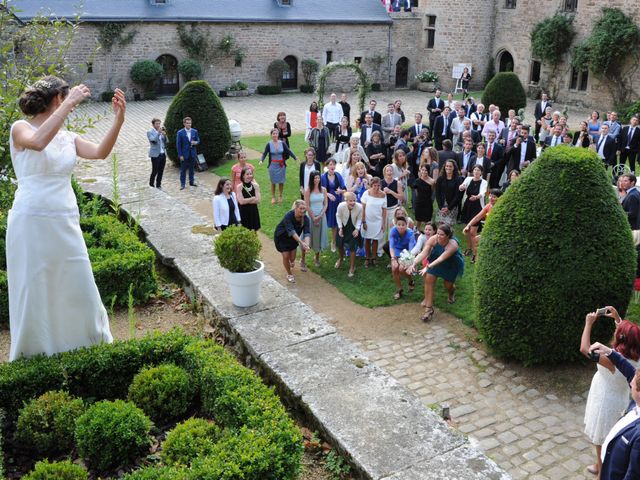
428	314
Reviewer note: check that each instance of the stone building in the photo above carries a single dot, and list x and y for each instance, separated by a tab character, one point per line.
392	47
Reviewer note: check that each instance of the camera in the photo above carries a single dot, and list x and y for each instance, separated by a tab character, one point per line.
594	356
602	311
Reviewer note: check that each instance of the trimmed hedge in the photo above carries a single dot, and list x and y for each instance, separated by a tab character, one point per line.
556	246
198	101
268	90
251	414
64	470
119	259
189	440
506	91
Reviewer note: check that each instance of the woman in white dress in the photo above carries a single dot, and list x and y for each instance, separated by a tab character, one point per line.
54	304
374	220
609	392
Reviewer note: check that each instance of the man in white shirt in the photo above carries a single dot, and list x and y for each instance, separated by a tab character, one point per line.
479	118
332	114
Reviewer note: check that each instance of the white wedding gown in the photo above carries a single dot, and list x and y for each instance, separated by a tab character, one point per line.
54	304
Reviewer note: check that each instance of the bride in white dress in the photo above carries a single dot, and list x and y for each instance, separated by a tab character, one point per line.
609	392
54	304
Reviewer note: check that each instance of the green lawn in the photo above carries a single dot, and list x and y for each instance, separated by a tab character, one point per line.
372	287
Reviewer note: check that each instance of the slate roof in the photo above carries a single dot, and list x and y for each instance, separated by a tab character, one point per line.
216	11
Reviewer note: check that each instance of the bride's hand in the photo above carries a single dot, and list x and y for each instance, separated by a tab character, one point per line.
119	104
77	95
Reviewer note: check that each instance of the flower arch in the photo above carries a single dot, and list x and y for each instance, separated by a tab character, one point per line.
363	86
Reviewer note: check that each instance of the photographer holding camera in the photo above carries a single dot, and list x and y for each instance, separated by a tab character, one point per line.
157	151
609	392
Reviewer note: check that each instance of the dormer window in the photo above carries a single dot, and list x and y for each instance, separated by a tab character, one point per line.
159	2
284	3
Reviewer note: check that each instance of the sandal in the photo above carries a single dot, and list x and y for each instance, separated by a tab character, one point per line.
428	314
291	279
303	267
451	299
366	263
412	285
338	264
592	469
351	273
398	295
473	259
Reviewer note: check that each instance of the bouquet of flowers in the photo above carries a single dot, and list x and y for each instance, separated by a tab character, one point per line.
406	258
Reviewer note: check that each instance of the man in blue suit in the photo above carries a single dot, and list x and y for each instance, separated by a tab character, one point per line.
186	141
621	448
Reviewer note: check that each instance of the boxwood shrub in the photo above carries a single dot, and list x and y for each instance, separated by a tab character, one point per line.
556	246
251	415
191	439
46	424
268	89
506	91
158	473
63	470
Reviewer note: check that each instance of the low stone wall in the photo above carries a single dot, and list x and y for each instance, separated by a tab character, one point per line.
381	428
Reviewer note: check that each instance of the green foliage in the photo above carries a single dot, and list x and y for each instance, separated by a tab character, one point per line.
506	91
537	277
27	53
198	101
606	51
309	69
196	43
4	298
268	89
165	393
363	85
236	86
190	69
107	95
146	73
46	424
628	110
237	249
191	439
157	473
63	470
112	33
427	76
552	37
307	88
226	43
119	259
275	70
110	434
376	87
491	70
336	465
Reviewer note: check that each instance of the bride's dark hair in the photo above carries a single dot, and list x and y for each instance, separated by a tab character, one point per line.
37	98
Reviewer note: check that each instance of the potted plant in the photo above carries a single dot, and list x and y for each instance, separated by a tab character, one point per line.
237	249
237	89
427	81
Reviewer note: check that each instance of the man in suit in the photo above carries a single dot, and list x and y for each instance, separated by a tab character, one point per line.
417	127
346	108
631	202
538	113
523	151
629	144
555	139
435	107
375	116
614	126
621	448
401	144
367	128
446	154
457	125
497	158
389	121
186	141
606	146
466	158
157	151
508	136
441	128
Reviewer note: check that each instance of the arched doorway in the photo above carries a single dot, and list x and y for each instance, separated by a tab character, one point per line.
169	83
402	72
505	64
290	77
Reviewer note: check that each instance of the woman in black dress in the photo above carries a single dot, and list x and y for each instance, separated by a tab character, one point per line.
476	189
248	196
293	231
448	193
376	151
465	78
424	201
343	135
319	140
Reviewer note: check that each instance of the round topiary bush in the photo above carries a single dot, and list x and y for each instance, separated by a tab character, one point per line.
190	69
164	393
237	249
195	437
110	434
157	473
46	424
198	101
64	470
506	91
556	246
146	73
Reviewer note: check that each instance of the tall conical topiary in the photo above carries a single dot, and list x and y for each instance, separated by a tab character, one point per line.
198	101
505	90
556	246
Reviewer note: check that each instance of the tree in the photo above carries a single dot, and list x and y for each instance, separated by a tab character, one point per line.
309	68
610	52
276	69
146	73
198	101
540	270
506	91
550	41
190	69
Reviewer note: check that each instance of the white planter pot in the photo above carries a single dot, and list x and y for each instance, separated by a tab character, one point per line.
245	287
